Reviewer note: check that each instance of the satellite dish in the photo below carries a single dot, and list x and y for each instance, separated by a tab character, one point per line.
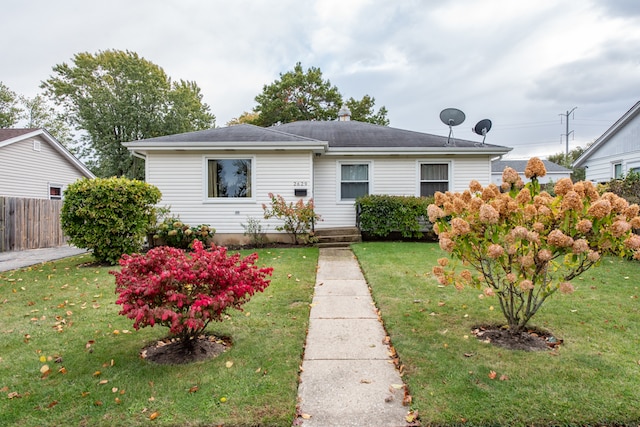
451	117
482	128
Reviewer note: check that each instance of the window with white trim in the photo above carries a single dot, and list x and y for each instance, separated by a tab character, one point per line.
55	192
433	177
229	178
354	180
617	170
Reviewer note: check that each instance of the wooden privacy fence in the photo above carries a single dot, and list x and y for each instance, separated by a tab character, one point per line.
30	224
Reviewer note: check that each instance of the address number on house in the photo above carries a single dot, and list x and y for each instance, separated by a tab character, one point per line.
300	183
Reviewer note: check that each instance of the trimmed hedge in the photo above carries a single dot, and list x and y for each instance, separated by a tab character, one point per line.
109	216
382	215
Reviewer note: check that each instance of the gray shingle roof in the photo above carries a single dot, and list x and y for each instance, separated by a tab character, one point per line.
340	136
12	133
353	134
238	133
519	165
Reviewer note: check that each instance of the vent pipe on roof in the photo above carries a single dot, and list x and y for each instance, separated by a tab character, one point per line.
344	115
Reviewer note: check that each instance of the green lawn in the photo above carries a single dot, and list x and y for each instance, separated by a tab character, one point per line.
592	379
62	315
65	312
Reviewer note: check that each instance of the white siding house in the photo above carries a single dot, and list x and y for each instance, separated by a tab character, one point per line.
555	172
33	164
616	152
223	176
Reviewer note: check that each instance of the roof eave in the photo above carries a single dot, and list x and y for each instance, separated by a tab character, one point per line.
319	146
399	151
607	135
61	149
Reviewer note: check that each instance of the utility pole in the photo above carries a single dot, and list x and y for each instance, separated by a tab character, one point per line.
566	152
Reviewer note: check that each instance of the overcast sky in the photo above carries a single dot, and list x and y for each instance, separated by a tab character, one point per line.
522	64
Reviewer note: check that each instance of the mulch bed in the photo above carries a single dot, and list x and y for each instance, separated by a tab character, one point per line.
533	339
172	351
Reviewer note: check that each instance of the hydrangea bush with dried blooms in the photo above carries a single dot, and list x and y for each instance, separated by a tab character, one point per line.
522	245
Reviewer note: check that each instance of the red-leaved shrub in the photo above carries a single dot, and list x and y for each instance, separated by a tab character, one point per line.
185	292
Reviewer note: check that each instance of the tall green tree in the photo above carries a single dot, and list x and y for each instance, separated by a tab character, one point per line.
363	111
566	160
246	117
38	113
10	111
306	95
117	96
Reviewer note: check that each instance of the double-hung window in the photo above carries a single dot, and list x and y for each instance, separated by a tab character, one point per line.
229	178
354	180
617	170
433	177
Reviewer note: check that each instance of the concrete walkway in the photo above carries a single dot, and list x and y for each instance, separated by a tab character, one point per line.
348	378
20	259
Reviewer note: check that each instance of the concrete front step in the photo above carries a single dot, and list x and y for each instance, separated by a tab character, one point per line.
337	237
337	231
340	238
333	244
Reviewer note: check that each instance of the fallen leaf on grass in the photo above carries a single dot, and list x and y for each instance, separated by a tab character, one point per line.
52	404
14	395
228	364
154	415
45	371
492	375
504	378
193	389
103	382
411	417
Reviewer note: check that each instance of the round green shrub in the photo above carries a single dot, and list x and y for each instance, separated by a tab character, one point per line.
109	216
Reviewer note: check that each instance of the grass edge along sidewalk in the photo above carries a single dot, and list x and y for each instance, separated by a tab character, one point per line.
62	315
593	378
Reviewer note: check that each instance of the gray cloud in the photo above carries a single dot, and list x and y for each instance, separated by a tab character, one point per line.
517	63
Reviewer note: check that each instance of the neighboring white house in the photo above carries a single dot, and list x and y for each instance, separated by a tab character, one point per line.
33	164
222	176
555	172
616	152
